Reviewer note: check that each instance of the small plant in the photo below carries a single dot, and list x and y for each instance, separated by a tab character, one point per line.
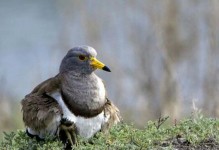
20	141
192	133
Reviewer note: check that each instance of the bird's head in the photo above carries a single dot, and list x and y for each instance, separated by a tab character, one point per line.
82	60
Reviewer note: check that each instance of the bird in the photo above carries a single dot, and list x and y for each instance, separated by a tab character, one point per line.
73	102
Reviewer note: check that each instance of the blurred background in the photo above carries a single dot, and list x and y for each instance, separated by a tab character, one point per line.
164	55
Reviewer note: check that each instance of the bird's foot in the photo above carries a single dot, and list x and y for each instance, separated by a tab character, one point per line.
67	132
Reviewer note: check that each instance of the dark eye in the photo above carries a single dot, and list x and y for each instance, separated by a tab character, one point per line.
82	57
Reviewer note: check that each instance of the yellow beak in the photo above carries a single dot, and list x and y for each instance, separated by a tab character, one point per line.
98	65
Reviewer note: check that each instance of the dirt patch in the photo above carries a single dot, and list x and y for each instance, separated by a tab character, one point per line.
180	143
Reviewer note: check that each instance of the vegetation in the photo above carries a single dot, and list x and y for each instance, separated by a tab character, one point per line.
190	133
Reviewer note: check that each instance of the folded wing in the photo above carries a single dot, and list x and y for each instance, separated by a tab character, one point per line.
41	113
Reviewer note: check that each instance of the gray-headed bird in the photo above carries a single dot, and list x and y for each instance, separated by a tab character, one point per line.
74	102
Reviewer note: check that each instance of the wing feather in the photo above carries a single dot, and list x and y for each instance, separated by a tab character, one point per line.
39	109
112	115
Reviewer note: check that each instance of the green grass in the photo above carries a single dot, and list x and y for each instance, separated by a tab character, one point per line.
196	133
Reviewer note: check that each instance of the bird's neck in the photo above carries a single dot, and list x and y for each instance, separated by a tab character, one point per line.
83	94
72	79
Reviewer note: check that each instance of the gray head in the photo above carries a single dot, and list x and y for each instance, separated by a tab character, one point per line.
81	60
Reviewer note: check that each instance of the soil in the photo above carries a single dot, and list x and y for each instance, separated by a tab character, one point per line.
180	143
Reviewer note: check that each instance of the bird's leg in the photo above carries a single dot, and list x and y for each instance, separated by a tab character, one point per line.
67	134
69	129
74	136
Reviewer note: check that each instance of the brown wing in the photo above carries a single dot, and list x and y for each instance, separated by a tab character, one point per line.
47	86
38	108
111	112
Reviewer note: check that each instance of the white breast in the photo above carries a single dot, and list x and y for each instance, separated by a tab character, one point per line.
86	127
102	91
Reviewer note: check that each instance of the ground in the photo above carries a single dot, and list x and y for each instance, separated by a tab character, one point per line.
194	133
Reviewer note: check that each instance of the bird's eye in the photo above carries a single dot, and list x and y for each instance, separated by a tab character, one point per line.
82	57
